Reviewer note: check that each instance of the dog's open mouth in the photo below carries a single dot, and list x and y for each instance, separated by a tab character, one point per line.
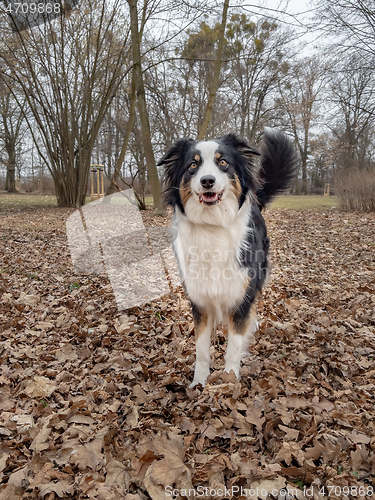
210	198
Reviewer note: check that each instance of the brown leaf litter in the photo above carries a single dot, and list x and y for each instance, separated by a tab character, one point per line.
94	402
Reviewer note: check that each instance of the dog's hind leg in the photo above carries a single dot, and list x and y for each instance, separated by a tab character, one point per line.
203	325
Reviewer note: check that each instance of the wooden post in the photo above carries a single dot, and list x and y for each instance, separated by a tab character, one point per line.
102	176
92	182
97	188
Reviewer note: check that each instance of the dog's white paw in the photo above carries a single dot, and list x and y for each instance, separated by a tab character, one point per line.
197	382
235	369
201	373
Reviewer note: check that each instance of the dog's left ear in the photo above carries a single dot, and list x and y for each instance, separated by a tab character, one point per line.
247	150
241	145
175	153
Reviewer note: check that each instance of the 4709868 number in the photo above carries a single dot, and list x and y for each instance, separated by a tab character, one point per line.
354	491
33	8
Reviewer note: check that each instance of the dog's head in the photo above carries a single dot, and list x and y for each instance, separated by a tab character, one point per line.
210	180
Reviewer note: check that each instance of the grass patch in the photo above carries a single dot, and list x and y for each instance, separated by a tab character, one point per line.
23	201
307	202
20	201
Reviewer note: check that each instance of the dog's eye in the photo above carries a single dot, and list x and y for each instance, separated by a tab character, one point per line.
193	165
223	163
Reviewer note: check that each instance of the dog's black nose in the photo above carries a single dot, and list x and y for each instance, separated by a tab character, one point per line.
208	181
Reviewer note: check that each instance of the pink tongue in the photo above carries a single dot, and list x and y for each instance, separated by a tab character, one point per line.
210	197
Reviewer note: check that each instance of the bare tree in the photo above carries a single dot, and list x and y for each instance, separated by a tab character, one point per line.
164	106
215	80
197	70
253	57
298	100
352	22
352	91
68	72
12	119
141	99
125	143
257	50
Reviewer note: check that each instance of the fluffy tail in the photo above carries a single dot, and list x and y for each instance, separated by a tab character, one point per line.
278	167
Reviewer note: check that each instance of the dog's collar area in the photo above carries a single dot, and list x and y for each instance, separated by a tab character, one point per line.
210	198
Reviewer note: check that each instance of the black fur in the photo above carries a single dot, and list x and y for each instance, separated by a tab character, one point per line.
255	258
176	162
278	167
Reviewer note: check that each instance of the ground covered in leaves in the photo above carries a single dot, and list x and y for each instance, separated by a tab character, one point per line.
94	402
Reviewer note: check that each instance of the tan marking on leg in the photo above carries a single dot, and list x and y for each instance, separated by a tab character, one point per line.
200	326
241	330
239	337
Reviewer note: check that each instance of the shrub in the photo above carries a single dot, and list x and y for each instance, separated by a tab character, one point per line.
355	189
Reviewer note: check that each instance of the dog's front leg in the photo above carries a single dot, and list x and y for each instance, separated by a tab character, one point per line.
203	326
241	329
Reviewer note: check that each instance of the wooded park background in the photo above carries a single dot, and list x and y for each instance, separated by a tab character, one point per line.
116	83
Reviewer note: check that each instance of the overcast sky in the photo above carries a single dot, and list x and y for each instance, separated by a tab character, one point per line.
298	7
295	13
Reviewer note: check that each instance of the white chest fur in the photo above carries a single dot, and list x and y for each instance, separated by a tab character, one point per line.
208	260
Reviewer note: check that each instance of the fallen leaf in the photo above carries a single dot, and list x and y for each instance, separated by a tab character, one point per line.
61	488
38	387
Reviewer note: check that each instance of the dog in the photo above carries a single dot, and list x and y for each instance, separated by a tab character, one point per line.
221	242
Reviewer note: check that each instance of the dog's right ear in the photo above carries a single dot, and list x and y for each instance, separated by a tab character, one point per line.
175	153
173	162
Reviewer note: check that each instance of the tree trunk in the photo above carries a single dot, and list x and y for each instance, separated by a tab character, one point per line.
10	183
304	154
215	82
141	98
10	147
304	175
120	160
11	179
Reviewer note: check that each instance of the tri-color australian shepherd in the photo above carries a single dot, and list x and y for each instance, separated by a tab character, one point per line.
222	247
